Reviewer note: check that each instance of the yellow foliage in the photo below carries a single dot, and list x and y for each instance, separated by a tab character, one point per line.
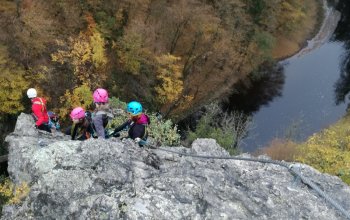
86	55
170	73
20	193
186	102
80	96
14	194
98	49
329	150
6	188
12	84
291	14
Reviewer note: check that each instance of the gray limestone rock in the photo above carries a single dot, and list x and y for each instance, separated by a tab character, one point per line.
111	179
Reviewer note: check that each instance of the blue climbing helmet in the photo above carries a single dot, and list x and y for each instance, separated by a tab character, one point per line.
134	108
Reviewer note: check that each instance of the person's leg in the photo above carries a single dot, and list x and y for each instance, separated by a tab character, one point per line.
68	130
44	127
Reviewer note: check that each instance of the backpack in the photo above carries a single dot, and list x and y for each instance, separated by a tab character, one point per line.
53	120
88	117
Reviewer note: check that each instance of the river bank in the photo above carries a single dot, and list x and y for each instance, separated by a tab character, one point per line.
297	39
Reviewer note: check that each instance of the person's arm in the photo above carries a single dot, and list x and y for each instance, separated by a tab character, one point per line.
98	123
74	132
37	110
121	127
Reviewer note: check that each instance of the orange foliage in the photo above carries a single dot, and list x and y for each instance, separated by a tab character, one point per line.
280	149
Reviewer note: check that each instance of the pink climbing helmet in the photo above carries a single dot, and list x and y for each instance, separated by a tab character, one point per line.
100	96
77	113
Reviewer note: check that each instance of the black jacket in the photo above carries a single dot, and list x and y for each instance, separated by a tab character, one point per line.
136	129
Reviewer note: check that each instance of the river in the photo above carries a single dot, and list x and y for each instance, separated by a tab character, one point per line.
308	91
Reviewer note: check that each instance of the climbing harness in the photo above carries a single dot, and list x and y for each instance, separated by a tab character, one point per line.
290	167
40	102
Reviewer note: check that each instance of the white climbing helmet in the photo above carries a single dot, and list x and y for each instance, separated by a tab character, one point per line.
31	93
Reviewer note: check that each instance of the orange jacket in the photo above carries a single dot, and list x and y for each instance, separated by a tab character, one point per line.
39	111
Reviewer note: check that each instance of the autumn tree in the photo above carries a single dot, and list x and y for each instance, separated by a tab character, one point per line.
86	56
291	15
130	53
80	96
13	84
217	43
170	74
277	16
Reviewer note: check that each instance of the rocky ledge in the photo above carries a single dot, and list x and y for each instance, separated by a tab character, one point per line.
111	179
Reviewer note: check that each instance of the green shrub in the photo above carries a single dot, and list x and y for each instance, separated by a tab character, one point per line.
204	130
265	42
118	108
163	131
116	103
228	129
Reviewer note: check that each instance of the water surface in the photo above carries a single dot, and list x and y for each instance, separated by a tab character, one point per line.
307	103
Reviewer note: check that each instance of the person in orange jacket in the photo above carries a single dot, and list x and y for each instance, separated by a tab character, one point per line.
39	111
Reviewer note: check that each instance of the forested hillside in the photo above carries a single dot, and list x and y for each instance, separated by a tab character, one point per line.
171	55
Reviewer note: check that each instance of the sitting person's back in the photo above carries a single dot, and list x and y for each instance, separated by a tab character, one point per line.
54	122
102	112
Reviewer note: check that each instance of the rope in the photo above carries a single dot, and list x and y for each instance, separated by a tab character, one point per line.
280	163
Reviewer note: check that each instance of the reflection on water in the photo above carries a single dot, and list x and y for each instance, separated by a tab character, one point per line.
257	90
342	34
307	102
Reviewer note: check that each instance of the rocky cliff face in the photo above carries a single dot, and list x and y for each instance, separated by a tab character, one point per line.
110	179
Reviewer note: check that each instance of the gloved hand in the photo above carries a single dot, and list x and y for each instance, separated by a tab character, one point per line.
111	133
